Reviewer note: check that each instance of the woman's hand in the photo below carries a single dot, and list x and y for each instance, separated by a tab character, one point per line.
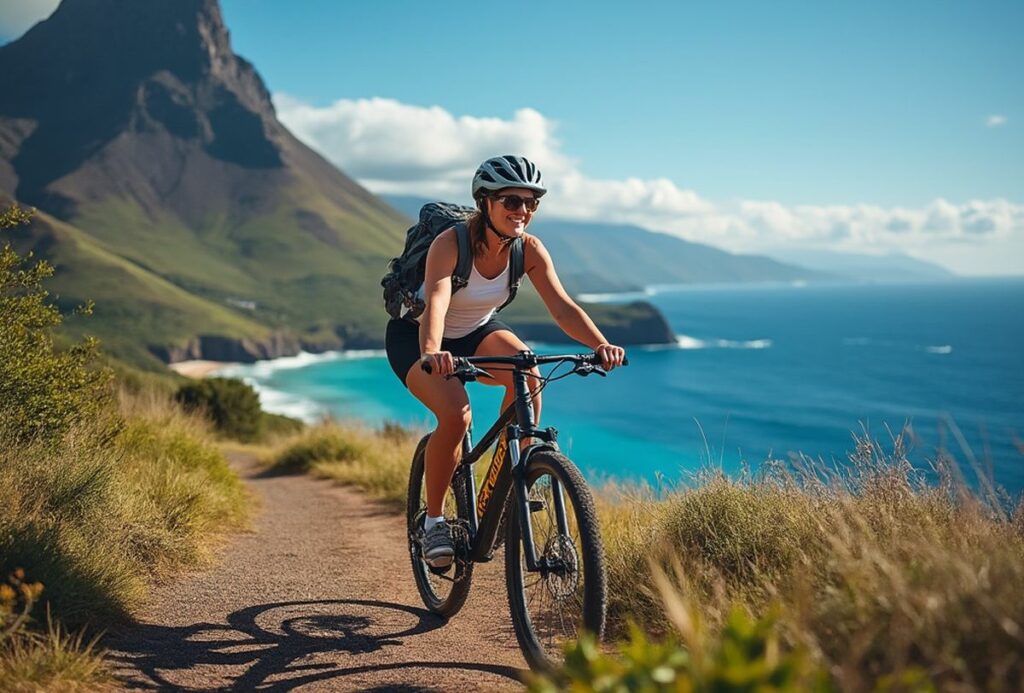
611	355
442	363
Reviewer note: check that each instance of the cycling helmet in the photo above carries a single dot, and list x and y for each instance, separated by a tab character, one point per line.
507	172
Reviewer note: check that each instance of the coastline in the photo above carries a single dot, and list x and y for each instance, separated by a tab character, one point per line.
198	368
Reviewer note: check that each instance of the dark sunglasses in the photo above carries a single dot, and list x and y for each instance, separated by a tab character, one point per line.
514	202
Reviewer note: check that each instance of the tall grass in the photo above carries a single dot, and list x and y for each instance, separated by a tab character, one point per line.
876	571
98	513
350	453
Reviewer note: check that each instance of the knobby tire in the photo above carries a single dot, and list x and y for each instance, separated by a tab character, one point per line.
540	625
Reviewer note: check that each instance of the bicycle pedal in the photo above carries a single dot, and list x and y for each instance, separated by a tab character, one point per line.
536	505
440	570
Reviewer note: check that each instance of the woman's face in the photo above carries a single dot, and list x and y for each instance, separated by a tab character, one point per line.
510	222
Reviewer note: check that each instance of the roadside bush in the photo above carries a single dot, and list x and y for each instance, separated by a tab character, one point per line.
98	493
43	391
745	656
95	516
278	426
232	405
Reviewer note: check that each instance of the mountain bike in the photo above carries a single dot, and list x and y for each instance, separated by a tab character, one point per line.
536	501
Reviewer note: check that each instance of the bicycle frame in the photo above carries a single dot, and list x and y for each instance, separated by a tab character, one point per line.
505	475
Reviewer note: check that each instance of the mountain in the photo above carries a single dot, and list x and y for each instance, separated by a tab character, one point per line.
171	195
589	256
862	267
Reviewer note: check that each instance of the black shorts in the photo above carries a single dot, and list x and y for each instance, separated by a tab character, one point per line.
403	343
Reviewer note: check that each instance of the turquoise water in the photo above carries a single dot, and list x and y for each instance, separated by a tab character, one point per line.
758	371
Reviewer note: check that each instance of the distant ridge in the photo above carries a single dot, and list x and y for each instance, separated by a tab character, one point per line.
864	267
599	257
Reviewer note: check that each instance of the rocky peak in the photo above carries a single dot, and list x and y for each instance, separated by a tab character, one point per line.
99	69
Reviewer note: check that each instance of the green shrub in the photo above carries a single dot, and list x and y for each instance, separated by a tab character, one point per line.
322	444
746	656
279	425
232	405
43	391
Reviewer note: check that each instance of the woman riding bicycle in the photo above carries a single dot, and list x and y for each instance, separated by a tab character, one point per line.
507	191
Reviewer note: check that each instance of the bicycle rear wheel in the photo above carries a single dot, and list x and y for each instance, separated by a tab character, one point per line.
445	592
557	603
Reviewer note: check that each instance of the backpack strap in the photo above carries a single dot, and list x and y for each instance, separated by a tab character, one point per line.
516	269
464	265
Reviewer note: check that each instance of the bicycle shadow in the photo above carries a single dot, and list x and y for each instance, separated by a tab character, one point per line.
279	646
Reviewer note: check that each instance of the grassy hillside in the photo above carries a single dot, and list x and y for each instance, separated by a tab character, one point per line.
134	306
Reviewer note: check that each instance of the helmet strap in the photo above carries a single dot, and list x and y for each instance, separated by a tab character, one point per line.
502	238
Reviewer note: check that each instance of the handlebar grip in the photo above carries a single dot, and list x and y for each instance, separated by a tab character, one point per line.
428	369
596	360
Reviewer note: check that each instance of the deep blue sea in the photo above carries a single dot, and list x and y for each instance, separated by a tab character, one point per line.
758	371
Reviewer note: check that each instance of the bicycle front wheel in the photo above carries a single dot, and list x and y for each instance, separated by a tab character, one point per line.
443	592
567	595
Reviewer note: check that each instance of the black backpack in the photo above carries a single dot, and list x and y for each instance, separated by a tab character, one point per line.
403	282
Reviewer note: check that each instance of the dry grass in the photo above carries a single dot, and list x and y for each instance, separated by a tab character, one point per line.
132	496
52	660
350	453
876	572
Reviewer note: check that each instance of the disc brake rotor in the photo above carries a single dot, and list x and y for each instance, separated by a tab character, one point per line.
564	577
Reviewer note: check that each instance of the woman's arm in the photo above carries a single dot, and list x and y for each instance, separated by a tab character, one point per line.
437	293
567	314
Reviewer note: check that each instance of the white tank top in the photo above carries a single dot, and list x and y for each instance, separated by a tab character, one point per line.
474	304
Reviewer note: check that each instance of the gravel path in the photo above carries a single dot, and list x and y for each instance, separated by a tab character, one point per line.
319	596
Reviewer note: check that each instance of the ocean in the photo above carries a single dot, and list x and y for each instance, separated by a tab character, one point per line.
758	372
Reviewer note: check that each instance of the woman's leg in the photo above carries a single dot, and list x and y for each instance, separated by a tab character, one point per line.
448	401
506	343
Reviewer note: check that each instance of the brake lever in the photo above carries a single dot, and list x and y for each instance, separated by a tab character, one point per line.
469	374
585	369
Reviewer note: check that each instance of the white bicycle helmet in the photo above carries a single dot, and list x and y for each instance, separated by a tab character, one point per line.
507	172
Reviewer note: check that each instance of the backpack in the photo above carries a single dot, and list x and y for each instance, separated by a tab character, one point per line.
403	282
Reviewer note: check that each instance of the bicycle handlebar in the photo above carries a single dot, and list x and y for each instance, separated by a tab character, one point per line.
523	360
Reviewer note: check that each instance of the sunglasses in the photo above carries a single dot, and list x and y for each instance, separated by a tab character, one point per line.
514	202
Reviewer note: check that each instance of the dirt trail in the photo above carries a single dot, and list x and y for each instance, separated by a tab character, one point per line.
319	596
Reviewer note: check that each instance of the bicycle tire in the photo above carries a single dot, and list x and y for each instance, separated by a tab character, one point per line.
443	594
539	633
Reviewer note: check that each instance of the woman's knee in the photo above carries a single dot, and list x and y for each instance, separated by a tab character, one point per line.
454	418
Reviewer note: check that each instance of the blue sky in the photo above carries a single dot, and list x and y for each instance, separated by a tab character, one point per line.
867	126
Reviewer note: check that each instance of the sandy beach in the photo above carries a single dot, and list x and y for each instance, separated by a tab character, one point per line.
197	368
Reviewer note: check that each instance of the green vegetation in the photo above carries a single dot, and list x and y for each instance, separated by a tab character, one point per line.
233	408
42	392
745	656
376	462
50	660
102	489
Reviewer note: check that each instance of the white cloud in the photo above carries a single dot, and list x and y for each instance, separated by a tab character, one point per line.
16	17
396	148
995	120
